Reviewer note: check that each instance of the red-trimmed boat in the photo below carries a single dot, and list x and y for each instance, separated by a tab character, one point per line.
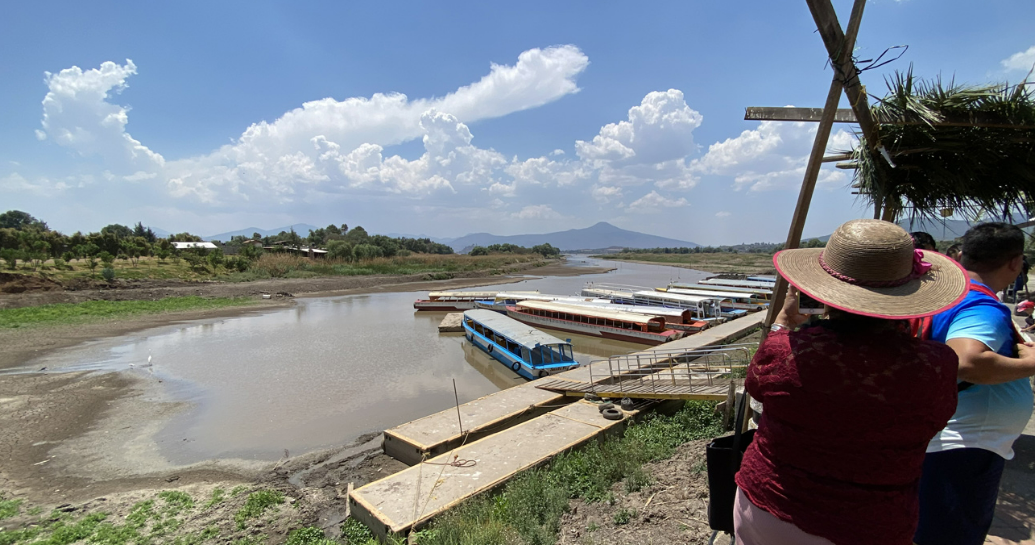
597	322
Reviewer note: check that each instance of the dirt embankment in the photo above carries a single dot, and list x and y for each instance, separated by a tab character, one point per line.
18	290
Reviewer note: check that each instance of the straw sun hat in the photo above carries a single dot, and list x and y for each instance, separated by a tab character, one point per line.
869	267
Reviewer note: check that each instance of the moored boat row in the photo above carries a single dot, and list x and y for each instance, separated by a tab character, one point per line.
455	300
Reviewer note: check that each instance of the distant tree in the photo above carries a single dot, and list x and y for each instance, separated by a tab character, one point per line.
19	221
357	235
144	232
256	236
339	249
184	237
332	230
10	257
215	258
479	250
119	231
546	250
106	258
367	251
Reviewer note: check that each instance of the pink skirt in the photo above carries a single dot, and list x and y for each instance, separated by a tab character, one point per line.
755	526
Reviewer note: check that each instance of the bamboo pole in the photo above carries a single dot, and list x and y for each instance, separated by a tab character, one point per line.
808	185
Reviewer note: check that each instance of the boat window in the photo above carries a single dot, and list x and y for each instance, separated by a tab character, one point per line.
525	354
566	351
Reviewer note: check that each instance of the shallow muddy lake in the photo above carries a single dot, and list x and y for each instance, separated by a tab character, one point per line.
324	371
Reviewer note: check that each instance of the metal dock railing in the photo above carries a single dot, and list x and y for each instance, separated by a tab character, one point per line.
703	374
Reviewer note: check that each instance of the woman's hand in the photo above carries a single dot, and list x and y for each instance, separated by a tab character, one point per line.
789	316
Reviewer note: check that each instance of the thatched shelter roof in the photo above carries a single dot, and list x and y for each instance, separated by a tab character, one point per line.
965	148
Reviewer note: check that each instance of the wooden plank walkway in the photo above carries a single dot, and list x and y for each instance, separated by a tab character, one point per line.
440	432
641	388
412	497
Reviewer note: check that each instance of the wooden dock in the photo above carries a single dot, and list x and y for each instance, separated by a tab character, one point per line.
452	323
414	496
503	433
440	432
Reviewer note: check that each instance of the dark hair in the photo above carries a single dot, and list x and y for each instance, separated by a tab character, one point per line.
989	246
842	321
953	251
923	241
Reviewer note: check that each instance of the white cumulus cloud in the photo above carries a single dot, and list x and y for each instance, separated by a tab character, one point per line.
1022	61
659	129
652	202
78	115
772	156
722	214
537	212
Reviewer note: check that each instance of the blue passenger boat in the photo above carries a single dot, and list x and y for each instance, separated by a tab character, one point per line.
526	351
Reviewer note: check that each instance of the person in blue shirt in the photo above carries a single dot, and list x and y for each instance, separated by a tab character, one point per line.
964	462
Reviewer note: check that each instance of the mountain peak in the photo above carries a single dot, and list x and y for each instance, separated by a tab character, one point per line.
598	236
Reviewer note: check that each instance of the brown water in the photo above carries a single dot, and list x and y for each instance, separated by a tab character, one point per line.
323	372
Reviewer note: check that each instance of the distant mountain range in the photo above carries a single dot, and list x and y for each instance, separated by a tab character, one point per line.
599	236
301	228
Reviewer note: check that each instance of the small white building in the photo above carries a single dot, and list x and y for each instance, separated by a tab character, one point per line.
194	246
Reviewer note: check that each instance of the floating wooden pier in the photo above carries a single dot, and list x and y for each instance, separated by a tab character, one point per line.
452	323
414	496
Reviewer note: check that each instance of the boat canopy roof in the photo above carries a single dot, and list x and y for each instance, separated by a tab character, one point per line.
682	297
737	283
469	294
680	313
525	296
714	293
592	312
705	287
511	328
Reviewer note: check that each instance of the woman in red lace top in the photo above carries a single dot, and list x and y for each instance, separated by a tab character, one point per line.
849	405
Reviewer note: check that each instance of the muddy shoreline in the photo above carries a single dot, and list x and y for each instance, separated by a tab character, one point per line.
75	436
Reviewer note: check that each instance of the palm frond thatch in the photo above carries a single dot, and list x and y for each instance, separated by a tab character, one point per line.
967	148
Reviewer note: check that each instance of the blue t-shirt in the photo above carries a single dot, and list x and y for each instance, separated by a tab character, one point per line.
988	416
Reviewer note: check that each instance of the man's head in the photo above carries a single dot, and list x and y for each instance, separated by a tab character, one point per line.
995	251
923	241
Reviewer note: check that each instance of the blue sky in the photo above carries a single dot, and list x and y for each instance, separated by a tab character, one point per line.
525	117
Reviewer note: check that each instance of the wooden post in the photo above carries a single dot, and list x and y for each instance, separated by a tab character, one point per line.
808	185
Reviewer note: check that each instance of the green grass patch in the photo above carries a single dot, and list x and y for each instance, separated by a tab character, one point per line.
218	495
257	504
529	508
9	508
71	313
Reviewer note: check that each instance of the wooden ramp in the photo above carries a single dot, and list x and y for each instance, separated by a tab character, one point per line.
641	389
440	432
414	496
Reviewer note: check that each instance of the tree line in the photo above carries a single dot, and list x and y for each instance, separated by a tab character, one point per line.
545	249
747	248
30	240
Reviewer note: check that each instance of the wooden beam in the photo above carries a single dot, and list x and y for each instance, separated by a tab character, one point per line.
846	115
789	113
837	157
819	146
